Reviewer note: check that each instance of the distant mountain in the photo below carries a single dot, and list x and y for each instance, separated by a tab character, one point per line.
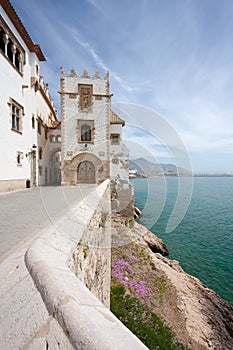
147	168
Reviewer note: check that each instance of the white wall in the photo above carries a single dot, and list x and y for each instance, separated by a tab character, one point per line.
99	113
18	87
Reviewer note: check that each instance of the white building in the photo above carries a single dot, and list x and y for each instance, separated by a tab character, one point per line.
26	109
37	149
92	147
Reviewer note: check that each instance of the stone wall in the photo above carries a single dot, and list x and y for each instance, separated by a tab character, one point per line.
91	258
11	185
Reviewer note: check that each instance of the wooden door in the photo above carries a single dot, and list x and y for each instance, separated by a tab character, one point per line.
86	173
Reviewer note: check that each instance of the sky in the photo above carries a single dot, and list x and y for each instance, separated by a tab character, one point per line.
170	63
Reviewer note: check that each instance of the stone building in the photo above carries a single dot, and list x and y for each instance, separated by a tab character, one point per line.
92	148
26	108
36	149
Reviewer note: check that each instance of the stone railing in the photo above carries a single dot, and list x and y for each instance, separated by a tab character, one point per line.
75	250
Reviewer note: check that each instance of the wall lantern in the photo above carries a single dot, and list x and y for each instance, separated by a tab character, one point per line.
34	147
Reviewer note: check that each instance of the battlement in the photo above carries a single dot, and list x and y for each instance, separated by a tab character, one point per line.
85	75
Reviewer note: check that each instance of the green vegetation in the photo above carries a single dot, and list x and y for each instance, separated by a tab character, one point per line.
131	223
85	251
146	325
162	285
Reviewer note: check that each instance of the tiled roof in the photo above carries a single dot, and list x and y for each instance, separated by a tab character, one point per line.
11	13
115	119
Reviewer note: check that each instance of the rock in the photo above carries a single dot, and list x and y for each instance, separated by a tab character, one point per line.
199	318
155	244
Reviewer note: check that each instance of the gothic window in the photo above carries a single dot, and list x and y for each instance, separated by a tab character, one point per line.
16	116
86	131
9	50
10	46
85	97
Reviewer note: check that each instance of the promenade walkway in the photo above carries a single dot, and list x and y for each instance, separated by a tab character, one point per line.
24	213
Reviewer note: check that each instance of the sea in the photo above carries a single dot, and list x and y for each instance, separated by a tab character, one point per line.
203	241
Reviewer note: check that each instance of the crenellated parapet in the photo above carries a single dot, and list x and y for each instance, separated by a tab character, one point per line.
84	75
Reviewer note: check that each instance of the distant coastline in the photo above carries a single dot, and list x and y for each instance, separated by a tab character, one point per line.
142	168
145	176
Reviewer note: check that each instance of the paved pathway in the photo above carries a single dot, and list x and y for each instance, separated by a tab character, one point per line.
24	318
23	213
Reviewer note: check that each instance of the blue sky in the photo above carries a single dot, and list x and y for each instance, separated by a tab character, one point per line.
173	57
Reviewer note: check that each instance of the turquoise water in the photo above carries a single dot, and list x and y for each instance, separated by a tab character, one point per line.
203	241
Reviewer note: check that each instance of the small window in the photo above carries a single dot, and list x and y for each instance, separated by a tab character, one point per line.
52	138
40	153
19	158
85	132
39	127
58	138
16	117
33	122
115	139
46	134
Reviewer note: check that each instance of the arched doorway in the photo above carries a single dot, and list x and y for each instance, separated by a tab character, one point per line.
86	173
54	170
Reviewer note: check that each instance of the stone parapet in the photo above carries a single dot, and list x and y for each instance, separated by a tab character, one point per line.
85	323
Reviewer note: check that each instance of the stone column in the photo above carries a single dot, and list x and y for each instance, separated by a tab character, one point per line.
13	50
20	59
6	41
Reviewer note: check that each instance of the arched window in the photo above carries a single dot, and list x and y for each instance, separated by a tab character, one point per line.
2	45
17	62
58	138
85	132
9	50
52	138
8	46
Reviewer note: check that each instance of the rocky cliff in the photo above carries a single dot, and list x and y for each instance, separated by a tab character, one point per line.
199	318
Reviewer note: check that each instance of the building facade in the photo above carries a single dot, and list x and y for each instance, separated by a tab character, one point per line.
92	146
26	108
36	149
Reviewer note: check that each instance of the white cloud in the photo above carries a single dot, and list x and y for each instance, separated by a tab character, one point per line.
99	62
174	58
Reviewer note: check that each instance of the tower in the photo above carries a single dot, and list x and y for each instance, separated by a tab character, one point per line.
91	133
85	113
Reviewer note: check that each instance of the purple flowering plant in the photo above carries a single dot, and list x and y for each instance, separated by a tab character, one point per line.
124	273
